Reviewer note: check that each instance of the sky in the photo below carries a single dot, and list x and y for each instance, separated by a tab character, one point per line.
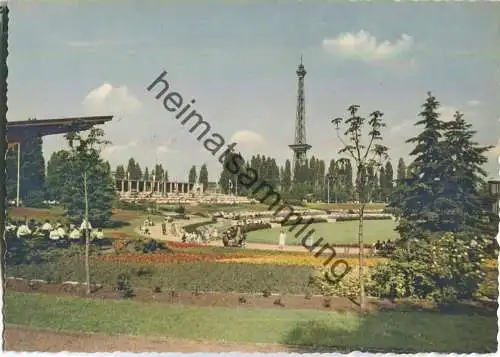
238	61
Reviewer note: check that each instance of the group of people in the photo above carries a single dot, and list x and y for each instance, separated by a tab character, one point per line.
383	247
54	232
235	236
144	228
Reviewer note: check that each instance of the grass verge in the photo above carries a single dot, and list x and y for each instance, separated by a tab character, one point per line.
384	331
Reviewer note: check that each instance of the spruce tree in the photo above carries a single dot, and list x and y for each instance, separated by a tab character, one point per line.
57	168
465	178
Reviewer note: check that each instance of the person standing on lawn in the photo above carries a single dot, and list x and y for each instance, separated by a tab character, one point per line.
282	239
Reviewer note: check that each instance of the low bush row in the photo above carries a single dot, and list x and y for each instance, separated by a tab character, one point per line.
309	219
204	276
366	218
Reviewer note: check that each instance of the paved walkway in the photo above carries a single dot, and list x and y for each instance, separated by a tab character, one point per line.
156	233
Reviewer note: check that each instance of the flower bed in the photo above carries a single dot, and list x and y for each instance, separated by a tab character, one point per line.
159	258
181	245
308	260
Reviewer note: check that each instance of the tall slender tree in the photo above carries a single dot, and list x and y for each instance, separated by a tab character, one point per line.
192	175
365	154
416	202
203	179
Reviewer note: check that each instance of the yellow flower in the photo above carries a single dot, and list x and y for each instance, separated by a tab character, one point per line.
307	260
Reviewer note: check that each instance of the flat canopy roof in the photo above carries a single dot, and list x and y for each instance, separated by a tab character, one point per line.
16	130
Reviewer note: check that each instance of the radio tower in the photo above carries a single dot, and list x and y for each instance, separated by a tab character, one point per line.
300	146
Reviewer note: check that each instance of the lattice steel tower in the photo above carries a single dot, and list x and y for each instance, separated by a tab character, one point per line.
300	146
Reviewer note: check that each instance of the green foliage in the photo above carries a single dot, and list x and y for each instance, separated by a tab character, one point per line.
348	286
120	173
56	174
124	286
441	190
84	157
32	172
192	175
445	270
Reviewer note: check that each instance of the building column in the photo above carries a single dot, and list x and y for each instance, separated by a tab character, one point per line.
123	187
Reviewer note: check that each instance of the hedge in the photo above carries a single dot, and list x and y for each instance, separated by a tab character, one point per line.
365	218
309	220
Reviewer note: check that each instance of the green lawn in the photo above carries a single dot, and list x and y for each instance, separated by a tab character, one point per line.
335	232
391	331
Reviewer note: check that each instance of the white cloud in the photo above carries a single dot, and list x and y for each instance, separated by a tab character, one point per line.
166	147
107	99
247	137
496	150
473	103
366	47
119	148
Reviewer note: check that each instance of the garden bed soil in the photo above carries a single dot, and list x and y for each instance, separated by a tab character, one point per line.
206	299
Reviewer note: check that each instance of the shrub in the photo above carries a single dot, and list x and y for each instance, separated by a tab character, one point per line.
445	270
365	218
256	227
348	286
157	289
144	271
124	286
311	220
266	292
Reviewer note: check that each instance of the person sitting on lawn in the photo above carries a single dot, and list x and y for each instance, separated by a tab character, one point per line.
75	234
55	234
61	230
23	230
99	234
10	227
46	228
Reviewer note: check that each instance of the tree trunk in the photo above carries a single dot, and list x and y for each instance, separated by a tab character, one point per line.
87	241
361	258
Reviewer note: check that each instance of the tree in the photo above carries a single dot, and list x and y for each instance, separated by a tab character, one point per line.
159	173
57	169
365	155
463	179
97	186
146	175
84	156
203	179
131	169
401	171
192	175
416	198
388	180
120	173
286	183
32	172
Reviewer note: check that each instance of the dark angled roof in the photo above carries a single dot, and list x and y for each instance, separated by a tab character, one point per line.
16	130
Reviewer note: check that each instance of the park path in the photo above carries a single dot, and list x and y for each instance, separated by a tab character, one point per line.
156	233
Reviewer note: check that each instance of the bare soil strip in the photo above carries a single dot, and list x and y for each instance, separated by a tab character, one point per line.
19	338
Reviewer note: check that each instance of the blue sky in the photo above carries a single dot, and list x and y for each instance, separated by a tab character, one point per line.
238	62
